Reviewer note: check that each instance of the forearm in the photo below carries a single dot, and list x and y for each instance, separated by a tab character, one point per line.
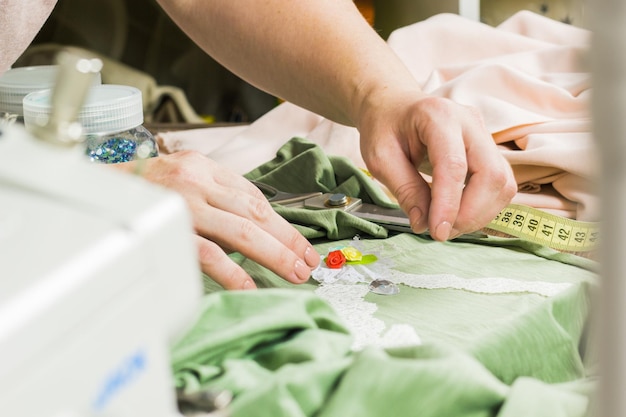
319	54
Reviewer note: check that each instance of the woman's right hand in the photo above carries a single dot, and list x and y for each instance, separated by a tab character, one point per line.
230	214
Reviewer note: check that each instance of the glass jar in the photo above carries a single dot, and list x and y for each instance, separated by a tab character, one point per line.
112	120
17	83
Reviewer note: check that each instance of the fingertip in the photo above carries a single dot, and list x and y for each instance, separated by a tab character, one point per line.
301	273
442	231
311	257
248	284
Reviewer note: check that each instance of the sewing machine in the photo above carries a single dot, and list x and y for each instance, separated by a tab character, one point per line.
98	274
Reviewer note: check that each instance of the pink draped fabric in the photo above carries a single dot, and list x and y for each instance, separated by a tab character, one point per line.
20	21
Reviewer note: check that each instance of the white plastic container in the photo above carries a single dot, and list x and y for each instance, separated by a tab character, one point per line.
17	83
112	120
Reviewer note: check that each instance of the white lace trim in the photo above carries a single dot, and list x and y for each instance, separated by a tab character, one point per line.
494	285
345	289
354	274
358	315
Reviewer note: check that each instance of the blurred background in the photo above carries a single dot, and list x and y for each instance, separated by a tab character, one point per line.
141	46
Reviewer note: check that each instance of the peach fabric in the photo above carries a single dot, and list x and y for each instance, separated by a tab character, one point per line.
20	21
527	77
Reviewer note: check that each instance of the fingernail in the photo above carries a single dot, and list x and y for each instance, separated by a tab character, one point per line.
248	285
311	257
415	217
442	231
303	272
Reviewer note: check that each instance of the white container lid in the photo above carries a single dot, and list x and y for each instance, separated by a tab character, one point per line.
109	108
17	83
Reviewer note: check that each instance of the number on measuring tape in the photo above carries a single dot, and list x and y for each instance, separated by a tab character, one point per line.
547	229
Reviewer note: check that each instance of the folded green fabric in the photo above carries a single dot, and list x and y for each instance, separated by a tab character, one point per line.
283	353
301	166
245	342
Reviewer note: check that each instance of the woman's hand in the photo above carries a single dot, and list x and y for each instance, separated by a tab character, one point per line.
471	180
231	214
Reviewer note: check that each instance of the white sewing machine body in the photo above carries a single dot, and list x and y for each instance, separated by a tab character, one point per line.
98	273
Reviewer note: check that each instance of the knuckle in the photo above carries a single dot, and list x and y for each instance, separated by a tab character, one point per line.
189	155
509	190
474	112
373	157
405	192
208	253
231	278
435	102
179	166
260	209
456	167
218	267
257	193
505	182
183	159
246	230
192	166
295	240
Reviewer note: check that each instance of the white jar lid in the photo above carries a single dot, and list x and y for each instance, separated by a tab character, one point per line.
16	83
109	108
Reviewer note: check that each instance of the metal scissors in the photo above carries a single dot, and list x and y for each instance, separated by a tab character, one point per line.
274	195
389	218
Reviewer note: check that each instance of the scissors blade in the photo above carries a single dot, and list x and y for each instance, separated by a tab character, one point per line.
394	219
277	196
387	217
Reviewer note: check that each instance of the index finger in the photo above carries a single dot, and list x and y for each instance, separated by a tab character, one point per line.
447	154
250	238
490	187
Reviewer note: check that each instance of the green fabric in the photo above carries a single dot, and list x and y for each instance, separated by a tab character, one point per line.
300	167
283	351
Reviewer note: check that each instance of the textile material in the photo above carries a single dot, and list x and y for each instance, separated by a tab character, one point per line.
300	167
288	350
20	21
243	148
527	77
282	352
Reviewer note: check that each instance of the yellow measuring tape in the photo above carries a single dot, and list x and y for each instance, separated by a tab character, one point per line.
547	229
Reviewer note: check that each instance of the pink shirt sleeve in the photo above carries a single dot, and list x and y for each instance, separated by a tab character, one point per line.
20	21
